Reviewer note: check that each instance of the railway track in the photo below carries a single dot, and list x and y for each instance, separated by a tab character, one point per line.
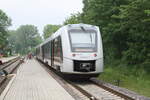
96	92
86	90
9	67
8	63
115	92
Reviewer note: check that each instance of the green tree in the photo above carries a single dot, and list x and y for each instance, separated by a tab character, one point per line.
73	19
4	23
12	40
24	39
135	19
49	30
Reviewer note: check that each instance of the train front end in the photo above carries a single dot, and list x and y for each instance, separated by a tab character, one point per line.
83	54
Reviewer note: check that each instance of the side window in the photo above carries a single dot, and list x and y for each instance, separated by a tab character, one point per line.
47	46
49	43
60	48
55	47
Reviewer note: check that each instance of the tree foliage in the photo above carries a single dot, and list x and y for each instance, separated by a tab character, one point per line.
73	19
124	25
135	21
49	30
24	39
4	23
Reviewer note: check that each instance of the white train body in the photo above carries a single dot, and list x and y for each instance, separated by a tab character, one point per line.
74	49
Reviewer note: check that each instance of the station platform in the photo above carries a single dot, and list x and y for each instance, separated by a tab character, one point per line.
32	82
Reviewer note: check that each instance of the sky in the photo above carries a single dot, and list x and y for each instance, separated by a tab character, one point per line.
39	12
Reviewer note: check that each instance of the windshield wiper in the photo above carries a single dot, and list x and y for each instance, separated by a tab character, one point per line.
91	38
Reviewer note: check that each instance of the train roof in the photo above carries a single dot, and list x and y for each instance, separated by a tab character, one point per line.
72	26
67	27
81	25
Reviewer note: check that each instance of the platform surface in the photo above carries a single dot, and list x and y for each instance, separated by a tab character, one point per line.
32	82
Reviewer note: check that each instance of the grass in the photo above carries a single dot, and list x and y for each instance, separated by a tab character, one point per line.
131	78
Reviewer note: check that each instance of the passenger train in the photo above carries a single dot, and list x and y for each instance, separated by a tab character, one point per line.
75	49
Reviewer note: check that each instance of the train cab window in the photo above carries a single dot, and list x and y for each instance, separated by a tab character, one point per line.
83	41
